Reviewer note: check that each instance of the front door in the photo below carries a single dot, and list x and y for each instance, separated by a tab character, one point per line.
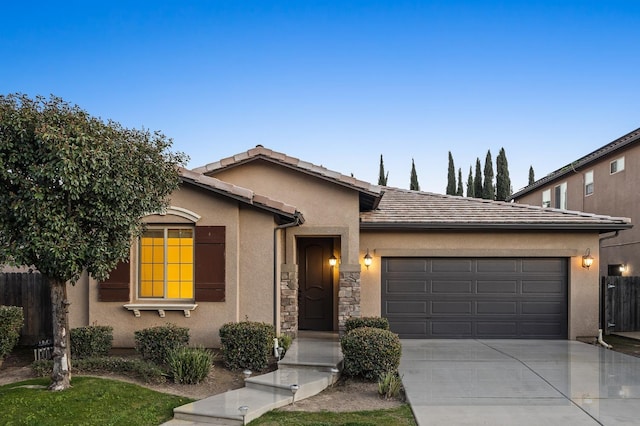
315	280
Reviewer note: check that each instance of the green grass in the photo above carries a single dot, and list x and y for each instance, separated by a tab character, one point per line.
90	401
400	416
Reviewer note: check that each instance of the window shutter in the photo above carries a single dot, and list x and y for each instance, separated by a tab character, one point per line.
209	264
116	287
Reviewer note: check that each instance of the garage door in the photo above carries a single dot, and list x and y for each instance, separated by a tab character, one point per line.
518	298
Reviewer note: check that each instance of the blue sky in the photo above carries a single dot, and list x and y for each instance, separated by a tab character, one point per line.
339	83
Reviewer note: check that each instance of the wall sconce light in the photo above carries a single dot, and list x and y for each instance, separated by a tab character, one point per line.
367	259
587	259
333	260
623	268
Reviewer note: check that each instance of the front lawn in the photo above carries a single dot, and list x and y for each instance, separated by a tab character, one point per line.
90	401
400	416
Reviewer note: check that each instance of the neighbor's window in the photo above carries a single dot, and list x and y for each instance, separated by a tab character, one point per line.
166	263
560	192
546	198
588	183
617	165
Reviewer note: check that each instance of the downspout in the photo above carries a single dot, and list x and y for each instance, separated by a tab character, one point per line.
602	319
297	222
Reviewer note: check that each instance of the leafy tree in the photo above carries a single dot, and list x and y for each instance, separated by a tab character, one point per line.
477	180
470	184
72	191
460	190
532	176
451	177
488	190
414	185
382	178
503	181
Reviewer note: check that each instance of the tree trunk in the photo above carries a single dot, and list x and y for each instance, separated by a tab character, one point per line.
61	376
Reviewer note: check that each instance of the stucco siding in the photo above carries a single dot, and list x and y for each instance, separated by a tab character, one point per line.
583	283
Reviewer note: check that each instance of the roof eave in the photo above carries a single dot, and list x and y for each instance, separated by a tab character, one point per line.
480	226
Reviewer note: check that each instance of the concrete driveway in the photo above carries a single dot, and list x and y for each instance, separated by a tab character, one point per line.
519	382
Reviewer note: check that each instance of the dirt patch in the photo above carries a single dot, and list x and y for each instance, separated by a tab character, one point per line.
345	395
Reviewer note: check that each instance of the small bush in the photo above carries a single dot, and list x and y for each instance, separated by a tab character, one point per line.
91	341
375	322
285	341
247	344
11	320
155	343
389	385
144	370
190	365
370	352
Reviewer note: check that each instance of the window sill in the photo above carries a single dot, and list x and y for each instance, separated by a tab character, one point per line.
161	308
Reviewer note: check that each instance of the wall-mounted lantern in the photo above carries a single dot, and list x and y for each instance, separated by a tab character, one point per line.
367	259
333	260
587	259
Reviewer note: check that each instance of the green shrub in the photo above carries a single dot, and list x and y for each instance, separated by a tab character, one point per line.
190	365
155	343
144	370
375	322
91	341
11	320
389	385
370	352
247	344
285	341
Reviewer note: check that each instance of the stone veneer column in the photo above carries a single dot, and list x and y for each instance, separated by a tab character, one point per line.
348	298
289	303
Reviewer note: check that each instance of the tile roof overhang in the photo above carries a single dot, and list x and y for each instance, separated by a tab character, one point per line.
612	147
369	194
283	212
412	210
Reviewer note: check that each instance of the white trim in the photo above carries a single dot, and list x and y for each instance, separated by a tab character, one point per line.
161	307
180	212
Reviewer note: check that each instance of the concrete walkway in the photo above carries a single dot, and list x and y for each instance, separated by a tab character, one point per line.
308	364
518	382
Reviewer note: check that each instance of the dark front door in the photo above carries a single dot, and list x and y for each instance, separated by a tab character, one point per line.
315	280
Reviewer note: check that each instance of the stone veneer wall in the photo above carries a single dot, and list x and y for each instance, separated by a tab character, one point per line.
289	303
348	298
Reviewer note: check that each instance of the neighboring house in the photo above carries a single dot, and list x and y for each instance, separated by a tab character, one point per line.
252	237
605	181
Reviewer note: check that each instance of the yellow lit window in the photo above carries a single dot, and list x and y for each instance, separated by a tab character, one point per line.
166	263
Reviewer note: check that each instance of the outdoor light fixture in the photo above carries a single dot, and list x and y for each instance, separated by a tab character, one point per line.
243	412
333	260
247	373
367	259
623	268
587	259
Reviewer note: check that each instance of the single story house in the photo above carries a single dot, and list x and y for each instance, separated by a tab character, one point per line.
267	237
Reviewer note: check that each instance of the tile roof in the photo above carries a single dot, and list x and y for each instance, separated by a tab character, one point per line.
241	194
369	193
629	138
404	209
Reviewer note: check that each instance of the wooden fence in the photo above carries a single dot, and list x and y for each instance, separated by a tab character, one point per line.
33	293
620	303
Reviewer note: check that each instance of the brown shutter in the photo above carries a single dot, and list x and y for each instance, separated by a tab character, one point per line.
116	287
209	264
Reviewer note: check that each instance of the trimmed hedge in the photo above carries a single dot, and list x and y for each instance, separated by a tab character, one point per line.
155	343
247	344
91	341
11	320
370	352
375	322
146	371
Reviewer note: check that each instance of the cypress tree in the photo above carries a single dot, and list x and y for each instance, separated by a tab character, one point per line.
477	180
460	191
488	190
532	176
503	181
470	184
382	178
451	177
414	185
